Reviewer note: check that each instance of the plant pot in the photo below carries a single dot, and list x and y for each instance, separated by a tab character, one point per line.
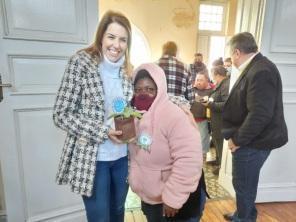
127	126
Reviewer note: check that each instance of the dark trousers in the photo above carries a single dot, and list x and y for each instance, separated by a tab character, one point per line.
246	165
154	213
110	190
218	142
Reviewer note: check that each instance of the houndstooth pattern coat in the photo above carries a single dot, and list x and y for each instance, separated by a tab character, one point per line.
79	110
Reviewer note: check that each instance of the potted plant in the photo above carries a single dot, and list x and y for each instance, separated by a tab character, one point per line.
124	116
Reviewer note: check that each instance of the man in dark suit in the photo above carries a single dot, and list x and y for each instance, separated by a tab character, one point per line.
253	121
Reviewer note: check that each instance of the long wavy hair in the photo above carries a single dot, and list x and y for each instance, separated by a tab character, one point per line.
95	49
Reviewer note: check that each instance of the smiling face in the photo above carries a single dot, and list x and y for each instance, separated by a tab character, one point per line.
115	42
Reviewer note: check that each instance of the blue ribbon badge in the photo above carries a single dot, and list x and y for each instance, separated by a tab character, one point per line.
118	105
144	141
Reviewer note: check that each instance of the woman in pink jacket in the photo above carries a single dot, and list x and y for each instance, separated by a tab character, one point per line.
166	160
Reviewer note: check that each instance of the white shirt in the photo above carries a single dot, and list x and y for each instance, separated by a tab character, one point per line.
236	72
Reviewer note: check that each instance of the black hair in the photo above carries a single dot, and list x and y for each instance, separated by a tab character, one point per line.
243	41
143	74
205	73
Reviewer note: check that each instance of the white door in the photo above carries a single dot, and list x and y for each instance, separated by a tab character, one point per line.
36	38
278	178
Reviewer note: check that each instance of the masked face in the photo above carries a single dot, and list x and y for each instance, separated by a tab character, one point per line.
145	93
143	102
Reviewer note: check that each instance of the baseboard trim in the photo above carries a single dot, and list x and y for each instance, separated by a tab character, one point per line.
276	192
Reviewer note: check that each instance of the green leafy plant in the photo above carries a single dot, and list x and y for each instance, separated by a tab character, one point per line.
124	121
127	113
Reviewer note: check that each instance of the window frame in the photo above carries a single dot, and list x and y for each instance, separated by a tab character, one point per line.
224	4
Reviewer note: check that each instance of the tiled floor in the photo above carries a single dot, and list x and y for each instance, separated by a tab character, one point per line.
214	189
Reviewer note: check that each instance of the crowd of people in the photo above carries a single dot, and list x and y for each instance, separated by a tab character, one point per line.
181	108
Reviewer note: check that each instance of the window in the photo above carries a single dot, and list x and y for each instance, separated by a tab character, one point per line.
217	49
140	50
211	17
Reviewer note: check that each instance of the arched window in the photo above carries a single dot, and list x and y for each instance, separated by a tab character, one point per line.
140	50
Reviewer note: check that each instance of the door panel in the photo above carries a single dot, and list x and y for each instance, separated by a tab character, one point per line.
278	180
37	37
53	20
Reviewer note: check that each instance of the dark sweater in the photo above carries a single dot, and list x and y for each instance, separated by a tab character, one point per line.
198	110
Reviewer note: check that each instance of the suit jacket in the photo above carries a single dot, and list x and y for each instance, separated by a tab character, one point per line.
253	113
79	110
220	95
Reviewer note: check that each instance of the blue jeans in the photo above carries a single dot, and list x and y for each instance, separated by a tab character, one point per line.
246	165
204	135
110	190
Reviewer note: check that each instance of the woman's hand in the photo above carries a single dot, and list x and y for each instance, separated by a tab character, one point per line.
169	211
132	140
112	134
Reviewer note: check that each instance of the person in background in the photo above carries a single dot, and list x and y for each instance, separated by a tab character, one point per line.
253	121
173	188
218	62
197	66
202	89
216	103
228	65
177	75
94	161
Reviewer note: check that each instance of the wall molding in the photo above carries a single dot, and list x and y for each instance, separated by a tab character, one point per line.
32	89
60	214
19	150
274	47
286	64
278	191
80	36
